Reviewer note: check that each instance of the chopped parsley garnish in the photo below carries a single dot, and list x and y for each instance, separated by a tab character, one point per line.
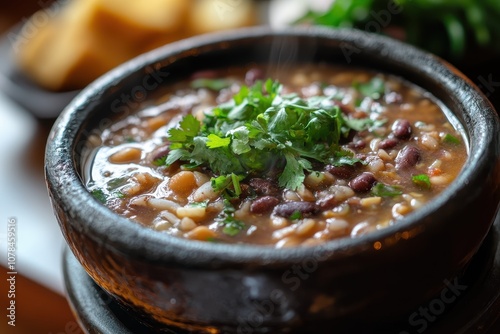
374	88
116	182
197	204
422	180
119	194
384	190
211	239
232	226
262	130
450	139
187	130
228	185
160	161
359	124
110	191
295	215
99	195
213	84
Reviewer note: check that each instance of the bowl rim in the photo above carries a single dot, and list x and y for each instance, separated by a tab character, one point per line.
67	189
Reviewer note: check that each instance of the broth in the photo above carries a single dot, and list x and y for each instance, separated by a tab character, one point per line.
399	151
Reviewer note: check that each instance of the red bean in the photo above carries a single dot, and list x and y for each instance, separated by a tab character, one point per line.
263	187
402	129
358	144
289	208
160	152
388	143
363	182
408	157
342	172
264	204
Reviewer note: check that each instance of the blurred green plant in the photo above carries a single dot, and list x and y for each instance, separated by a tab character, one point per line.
449	28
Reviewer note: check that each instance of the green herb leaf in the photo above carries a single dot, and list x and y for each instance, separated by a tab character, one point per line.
295	215
236	184
232	226
374	88
240	142
422	180
260	130
99	195
119	194
344	157
384	190
293	175
115	183
220	183
450	139
359	124
215	141
225	183
198	204
176	154
213	84
160	161
188	128
212	239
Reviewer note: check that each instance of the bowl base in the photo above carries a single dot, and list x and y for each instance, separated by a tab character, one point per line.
475	310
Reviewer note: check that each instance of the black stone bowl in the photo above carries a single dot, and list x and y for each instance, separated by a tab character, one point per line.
342	285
